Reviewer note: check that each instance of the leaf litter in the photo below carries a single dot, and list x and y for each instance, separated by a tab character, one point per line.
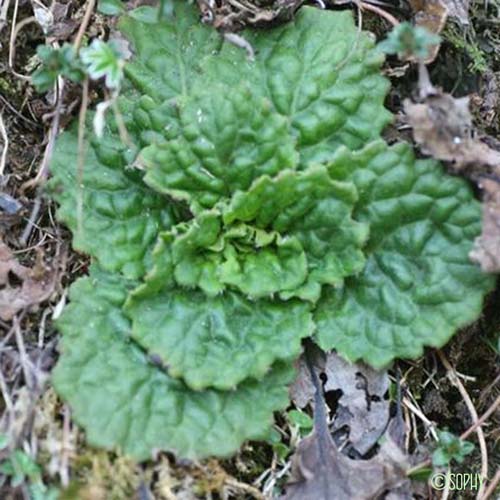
362	406
23	287
319	469
442	127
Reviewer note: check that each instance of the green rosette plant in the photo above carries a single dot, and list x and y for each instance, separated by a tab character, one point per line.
254	205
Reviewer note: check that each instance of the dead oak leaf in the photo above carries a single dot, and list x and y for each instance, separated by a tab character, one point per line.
361	407
302	389
321	472
486	251
22	287
442	127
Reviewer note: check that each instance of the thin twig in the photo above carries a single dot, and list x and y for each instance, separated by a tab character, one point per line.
23	240
446	491
83	26
12	41
481	420
491	487
43	171
63	469
380	12
18	114
5	394
473	413
23	357
464	435
415	410
247	488
5	146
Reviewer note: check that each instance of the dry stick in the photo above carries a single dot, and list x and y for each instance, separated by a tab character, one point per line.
18	114
63	468
472	410
481	421
446	492
5	146
23	240
492	486
247	488
83	26
381	12
54	128
22	354
464	435
490	386
13	35
5	394
43	172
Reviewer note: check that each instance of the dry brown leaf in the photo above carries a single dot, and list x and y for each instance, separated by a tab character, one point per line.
302	390
362	407
486	251
321	472
432	15
458	9
22	287
442	127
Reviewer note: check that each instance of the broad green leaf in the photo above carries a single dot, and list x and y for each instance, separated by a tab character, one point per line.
418	286
125	400
111	7
120	216
321	72
313	208
217	341
167	53
286	235
228	137
203	253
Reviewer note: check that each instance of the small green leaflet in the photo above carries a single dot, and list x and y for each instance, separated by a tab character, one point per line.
103	59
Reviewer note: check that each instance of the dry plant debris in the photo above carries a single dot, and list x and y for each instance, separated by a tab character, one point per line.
233	15
22	287
487	247
362	406
442	126
321	471
433	14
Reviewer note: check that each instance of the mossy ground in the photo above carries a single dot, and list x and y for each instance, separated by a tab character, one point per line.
468	63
